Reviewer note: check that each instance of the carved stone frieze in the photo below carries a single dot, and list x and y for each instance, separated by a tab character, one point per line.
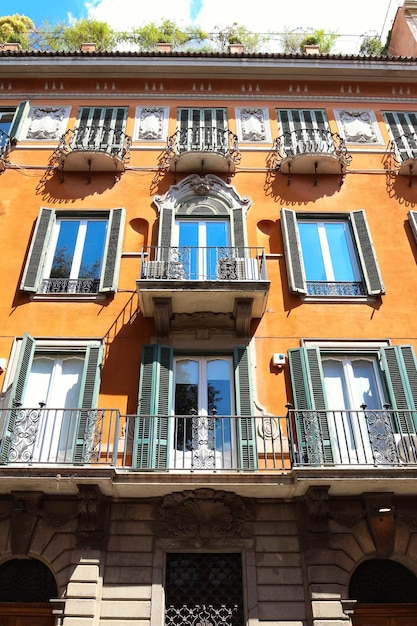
203	513
202	323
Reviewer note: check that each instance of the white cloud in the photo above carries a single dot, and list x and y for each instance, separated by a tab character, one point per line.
126	14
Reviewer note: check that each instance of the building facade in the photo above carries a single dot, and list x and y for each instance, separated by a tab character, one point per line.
208	339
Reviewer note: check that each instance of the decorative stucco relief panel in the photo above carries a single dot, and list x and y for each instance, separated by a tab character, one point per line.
151	123
253	125
358	126
46	123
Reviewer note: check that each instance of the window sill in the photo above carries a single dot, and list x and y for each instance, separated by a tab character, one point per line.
70	297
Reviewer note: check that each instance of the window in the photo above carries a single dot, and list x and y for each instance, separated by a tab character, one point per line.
302	121
342	396
402	129
204	588
202	245
12	118
6	118
53	385
100	128
412	217
304	131
203	389
330	255
209	389
202	129
74	253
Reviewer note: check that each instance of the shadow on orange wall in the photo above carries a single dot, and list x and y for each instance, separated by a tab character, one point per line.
74	186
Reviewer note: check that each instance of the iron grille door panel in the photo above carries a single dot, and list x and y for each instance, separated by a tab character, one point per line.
204	588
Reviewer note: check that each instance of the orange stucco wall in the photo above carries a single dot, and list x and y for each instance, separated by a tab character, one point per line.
367	185
403	40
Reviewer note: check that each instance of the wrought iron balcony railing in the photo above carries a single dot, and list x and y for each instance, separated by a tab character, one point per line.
42	436
347	438
93	148
404	151
318	146
340	288
303	438
222	263
70	285
205	142
64	436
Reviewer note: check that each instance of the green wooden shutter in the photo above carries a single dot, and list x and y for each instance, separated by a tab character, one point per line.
412	217
370	268
292	249
400	367
112	250
27	350
19	116
239	231
246	434
150	450
90	384
165	231
309	395
32	274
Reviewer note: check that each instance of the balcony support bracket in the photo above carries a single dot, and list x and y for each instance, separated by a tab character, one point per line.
162	312
243	316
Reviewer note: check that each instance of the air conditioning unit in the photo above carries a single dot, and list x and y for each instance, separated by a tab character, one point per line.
154	270
407	448
247	269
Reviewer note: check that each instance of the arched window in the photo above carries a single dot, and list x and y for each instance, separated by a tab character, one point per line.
382	581
26	580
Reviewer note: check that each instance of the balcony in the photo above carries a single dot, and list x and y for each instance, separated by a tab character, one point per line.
103	437
350	439
259	455
313	151
229	285
208	150
5	149
404	153
302	439
93	148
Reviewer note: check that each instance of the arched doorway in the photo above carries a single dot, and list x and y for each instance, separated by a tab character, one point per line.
386	594
26	587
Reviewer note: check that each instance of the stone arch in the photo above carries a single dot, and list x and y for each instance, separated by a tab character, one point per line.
26	580
382	581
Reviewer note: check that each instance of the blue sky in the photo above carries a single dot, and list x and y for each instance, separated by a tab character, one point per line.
350	21
41	10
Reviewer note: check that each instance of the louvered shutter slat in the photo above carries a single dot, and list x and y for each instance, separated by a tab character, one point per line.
33	271
244	407
112	250
90	384
27	350
366	253
293	255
